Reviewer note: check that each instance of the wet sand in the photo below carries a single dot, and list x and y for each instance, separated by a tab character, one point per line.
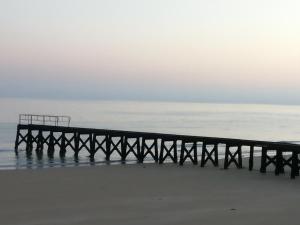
147	194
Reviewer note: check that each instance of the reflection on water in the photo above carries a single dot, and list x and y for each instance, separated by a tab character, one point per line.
8	159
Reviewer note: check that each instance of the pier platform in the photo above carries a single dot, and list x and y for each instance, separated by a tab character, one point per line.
158	146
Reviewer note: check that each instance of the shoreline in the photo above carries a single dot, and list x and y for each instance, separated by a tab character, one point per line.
9	161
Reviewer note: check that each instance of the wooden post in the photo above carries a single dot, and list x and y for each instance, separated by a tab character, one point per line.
240	159
279	167
138	149
62	152
295	166
216	162
40	142
251	156
226	162
161	154
124	141
142	155
108	151
92	138
263	160
175	160
29	142
76	144
182	150
51	145
156	156
296	163
17	140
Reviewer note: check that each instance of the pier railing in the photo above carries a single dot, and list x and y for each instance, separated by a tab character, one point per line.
157	146
44	119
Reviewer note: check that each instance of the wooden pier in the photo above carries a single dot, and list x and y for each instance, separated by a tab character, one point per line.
159	147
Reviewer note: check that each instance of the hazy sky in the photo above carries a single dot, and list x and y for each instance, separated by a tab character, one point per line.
195	50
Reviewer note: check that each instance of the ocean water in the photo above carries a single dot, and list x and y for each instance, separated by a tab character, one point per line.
246	121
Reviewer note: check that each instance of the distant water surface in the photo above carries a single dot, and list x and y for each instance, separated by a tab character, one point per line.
247	121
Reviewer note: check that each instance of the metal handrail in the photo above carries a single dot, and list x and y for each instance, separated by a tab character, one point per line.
44	119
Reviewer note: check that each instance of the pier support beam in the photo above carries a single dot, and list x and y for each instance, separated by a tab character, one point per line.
70	141
168	150
149	149
209	155
276	160
20	138
102	142
115	145
188	152
85	141
233	157
17	140
131	145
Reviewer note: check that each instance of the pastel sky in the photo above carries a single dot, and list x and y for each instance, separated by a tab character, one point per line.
186	50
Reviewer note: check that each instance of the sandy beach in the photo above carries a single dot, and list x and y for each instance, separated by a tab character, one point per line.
147	194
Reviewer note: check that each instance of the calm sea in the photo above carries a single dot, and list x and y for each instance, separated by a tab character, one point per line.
248	121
